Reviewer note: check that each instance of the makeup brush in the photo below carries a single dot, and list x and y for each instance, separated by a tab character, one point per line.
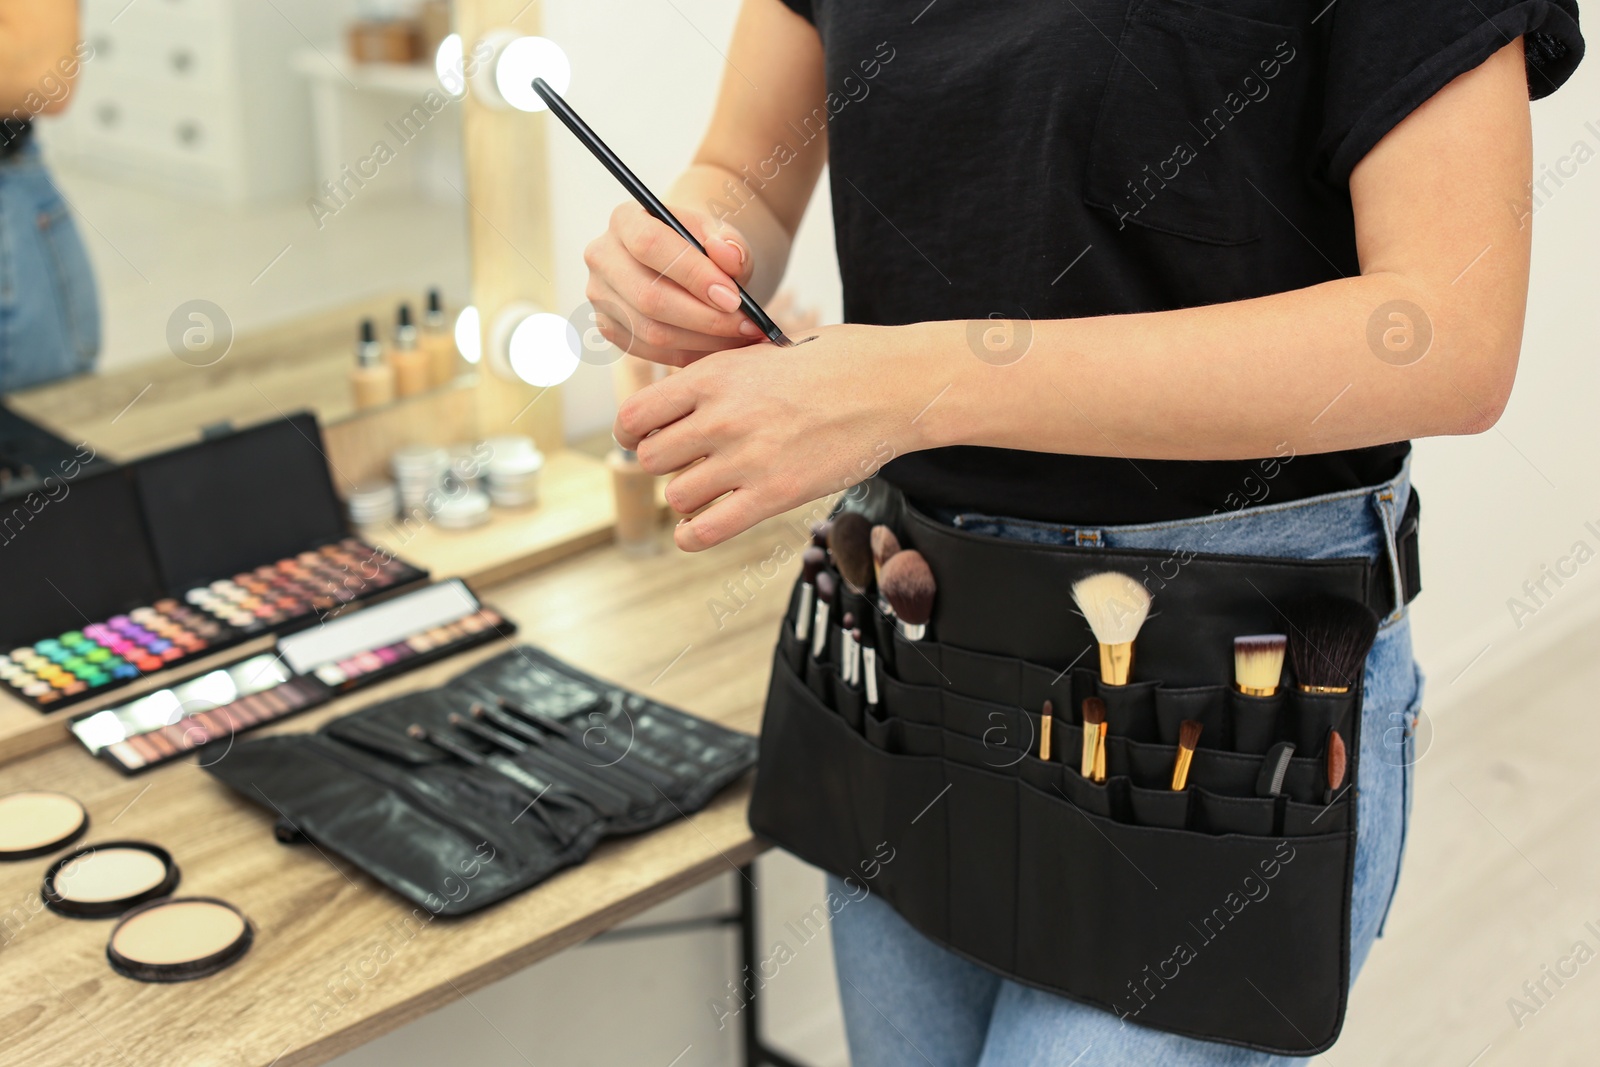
1337	765
1094	724
564	741
1188	738
499	764
868	674
1328	644
848	648
884	545
1258	663
1047	719
1115	606
827	589
819	533
812	560
608	799
850	542
909	587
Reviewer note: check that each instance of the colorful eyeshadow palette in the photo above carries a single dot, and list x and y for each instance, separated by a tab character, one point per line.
84	663
312	583
309	668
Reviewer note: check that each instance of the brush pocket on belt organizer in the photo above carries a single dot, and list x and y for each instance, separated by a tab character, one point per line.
460	796
1210	911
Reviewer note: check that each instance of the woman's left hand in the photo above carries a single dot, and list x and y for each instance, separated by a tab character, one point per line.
766	429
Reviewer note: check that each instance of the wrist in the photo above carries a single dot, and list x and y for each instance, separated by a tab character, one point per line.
934	375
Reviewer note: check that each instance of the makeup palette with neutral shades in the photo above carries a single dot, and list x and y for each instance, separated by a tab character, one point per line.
38	822
108	878
177	939
307	669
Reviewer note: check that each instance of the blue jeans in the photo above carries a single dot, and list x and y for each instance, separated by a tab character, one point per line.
49	309
910	1002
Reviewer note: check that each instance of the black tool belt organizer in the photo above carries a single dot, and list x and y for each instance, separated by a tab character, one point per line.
1211	912
455	837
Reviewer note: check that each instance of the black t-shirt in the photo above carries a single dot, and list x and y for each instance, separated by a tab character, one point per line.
1041	160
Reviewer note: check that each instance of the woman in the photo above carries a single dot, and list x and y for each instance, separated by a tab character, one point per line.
49	314
1150	274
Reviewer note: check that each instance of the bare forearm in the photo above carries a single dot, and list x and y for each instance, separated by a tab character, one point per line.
1320	368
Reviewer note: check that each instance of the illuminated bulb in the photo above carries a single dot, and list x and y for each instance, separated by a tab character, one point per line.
543	350
449	63
507	79
469	334
525	59
534	346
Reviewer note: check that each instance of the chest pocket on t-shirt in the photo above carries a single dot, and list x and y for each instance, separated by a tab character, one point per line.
1200	104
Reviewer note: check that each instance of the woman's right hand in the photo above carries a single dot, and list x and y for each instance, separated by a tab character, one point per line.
656	297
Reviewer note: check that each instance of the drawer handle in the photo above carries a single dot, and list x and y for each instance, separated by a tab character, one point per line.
189	133
182	61
108	114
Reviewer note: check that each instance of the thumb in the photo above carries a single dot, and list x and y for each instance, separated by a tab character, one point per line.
729	250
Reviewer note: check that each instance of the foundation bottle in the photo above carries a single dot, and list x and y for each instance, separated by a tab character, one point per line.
412	372
372	381
439	341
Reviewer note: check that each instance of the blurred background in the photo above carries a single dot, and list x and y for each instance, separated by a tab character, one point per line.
207	156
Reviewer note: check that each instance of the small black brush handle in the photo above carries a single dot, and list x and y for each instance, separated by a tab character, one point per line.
648	200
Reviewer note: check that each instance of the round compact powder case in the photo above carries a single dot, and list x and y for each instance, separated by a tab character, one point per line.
37	822
105	879
177	939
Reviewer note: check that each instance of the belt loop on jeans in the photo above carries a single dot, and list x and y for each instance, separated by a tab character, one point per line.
1398	584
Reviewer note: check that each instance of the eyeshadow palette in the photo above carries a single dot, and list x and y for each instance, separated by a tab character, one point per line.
309	668
311	583
101	656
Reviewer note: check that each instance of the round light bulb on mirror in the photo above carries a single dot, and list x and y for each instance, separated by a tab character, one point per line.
534	346
469	334
450	64
505	80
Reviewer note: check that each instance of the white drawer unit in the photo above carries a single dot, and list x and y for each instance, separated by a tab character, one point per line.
194	97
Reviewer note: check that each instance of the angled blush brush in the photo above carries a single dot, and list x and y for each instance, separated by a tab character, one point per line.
1188	738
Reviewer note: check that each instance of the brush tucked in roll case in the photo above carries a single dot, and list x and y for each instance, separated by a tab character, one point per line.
455	836
1210	912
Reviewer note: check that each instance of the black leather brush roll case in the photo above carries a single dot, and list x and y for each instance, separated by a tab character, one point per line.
1214	912
455	837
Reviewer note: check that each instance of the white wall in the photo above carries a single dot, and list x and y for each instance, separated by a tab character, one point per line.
1499	506
645	77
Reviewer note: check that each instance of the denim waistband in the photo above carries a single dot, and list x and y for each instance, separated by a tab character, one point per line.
1349	523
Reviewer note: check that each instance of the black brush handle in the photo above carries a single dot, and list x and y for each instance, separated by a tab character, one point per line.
648	200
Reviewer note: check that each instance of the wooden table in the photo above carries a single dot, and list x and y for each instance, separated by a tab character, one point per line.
337	959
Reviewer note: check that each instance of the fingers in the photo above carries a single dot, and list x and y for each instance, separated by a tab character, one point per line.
733	514
723	243
664	339
649	410
674	448
654	244
702	483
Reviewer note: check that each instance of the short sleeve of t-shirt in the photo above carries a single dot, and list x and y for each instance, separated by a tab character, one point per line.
801	8
1386	57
